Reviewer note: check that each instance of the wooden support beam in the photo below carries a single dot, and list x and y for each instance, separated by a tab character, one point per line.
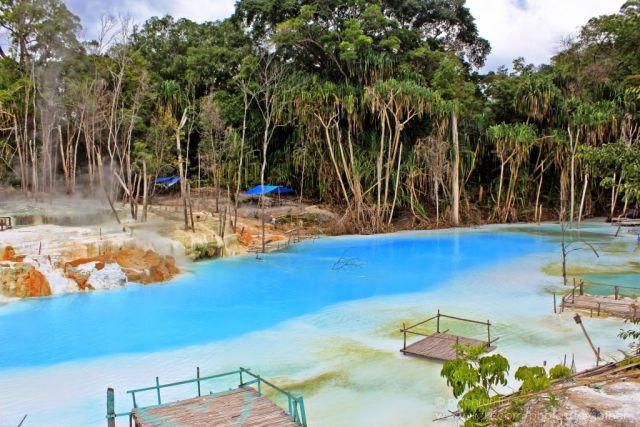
578	320
111	408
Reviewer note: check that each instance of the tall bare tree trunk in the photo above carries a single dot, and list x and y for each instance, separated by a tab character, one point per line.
265	145
395	192
536	218
573	142
145	190
240	161
183	184
584	194
455	178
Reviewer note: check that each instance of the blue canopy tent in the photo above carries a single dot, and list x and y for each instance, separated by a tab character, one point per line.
167	181
258	190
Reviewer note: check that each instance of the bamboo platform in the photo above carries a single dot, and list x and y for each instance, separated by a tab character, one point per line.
599	306
241	406
440	346
612	305
626	222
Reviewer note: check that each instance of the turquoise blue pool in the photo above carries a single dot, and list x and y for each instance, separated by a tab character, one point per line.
320	319
230	297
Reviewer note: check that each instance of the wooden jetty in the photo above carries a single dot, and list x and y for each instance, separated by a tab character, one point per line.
441	345
242	406
245	405
613	305
626	222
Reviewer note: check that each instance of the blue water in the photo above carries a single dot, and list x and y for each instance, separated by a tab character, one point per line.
226	298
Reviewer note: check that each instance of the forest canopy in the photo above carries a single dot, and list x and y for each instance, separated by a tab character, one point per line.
377	108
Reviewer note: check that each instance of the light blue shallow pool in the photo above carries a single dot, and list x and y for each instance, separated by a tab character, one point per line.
230	297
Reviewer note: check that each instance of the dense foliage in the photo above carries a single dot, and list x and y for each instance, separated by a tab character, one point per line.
375	107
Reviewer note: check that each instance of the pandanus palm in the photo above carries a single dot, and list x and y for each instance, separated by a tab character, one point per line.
172	101
513	143
395	103
536	97
594	123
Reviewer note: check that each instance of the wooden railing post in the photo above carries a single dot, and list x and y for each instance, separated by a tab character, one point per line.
581	288
404	330
488	334
111	408
158	390
198	377
438	322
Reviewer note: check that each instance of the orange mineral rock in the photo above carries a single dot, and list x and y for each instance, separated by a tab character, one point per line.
139	265
38	284
7	254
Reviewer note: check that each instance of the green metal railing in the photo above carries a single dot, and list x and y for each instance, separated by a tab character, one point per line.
295	404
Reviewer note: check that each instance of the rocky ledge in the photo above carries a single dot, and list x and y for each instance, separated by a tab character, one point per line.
76	260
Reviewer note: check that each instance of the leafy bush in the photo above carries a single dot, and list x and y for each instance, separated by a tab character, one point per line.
533	378
632	335
472	377
559	371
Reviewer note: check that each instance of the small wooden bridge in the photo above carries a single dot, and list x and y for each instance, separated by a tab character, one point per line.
244	406
442	345
622	302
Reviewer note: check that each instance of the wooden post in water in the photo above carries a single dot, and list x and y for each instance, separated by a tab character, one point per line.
404	330
198	377
554	303
488	334
111	408
579	322
617	291
581	288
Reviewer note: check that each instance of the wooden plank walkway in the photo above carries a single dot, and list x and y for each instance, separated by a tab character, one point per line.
441	346
600	305
626	222
239	407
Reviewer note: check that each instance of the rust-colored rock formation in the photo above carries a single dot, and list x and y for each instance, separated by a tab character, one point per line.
7	253
139	265
37	284
22	281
